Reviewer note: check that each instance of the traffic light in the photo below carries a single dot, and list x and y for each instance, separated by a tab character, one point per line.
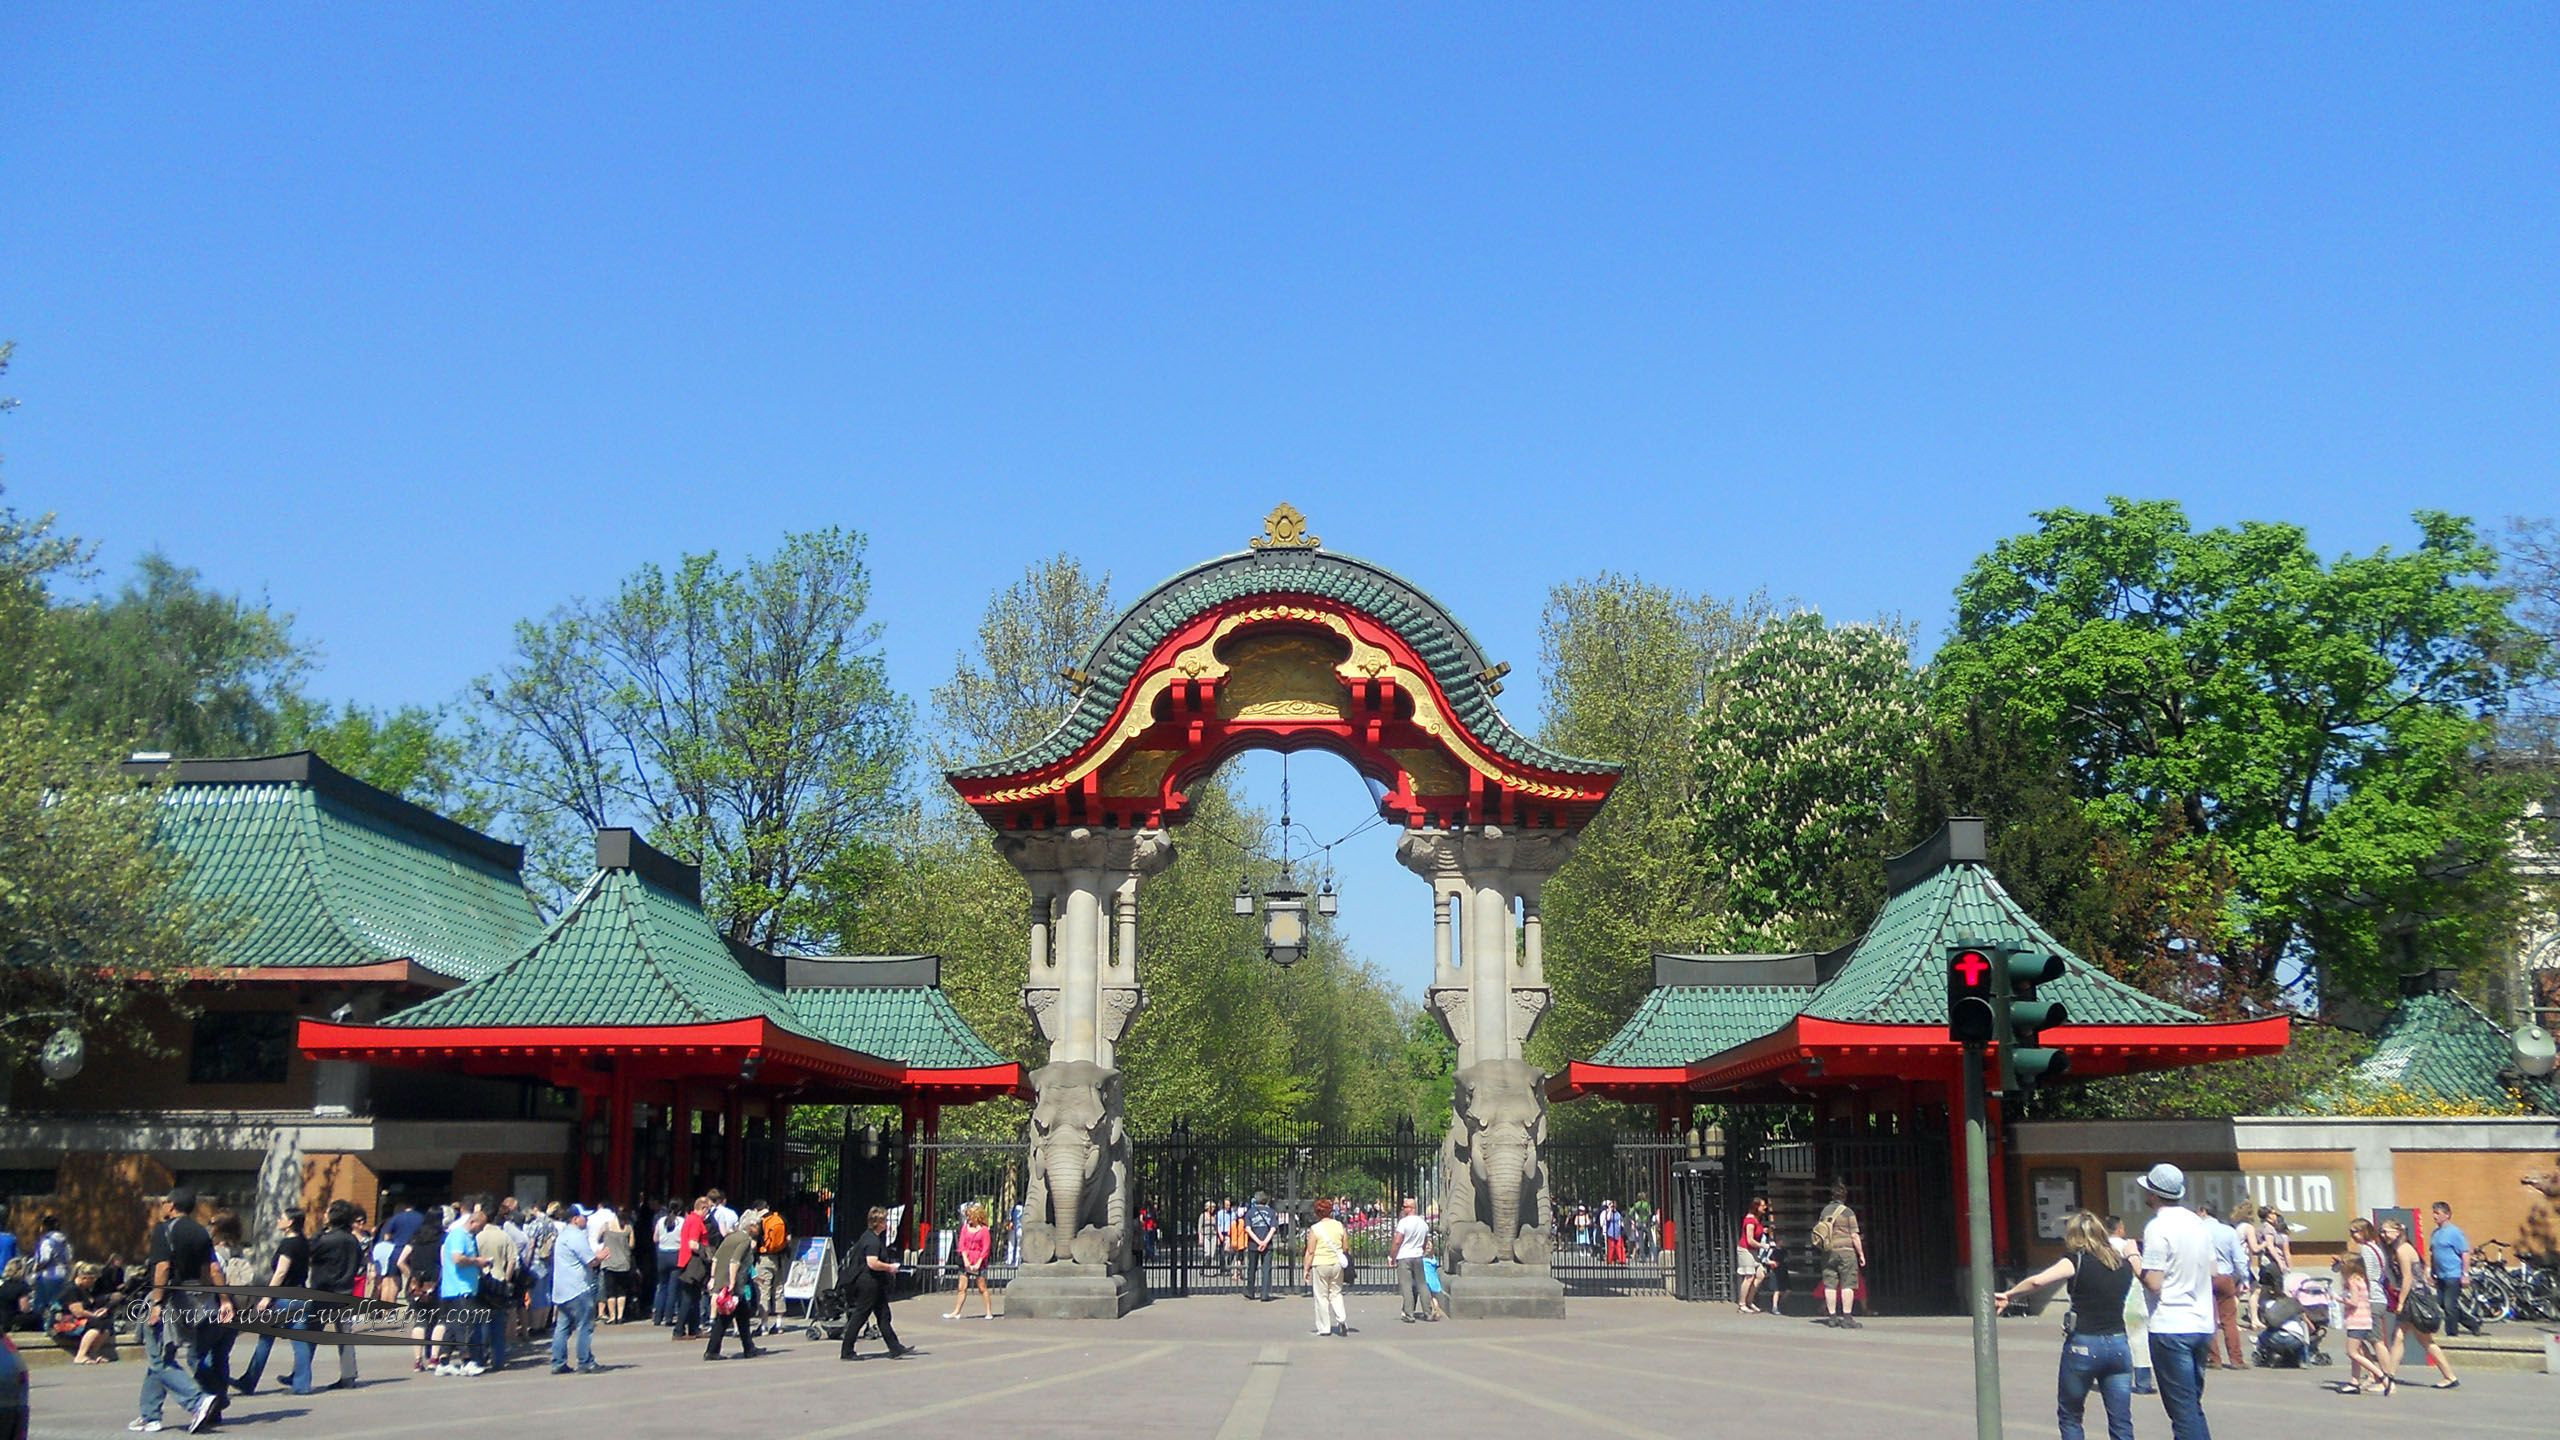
1973	993
2023	1018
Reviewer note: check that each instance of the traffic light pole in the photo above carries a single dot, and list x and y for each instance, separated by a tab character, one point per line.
1977	1204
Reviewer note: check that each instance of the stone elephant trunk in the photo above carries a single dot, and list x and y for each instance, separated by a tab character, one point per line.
1077	1191
1496	1181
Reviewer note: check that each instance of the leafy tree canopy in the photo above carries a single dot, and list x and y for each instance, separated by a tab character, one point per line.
1801	740
740	716
2321	724
1626	666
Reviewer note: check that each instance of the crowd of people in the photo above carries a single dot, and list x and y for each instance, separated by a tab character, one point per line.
477	1280
2154	1315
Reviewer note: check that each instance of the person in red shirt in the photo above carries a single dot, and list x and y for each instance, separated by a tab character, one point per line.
693	1241
1752	1252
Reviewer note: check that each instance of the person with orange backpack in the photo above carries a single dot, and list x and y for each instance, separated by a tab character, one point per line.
772	1243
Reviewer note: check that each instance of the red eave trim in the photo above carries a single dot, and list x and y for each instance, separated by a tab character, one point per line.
1584	1077
328	1040
983	1082
1789	1050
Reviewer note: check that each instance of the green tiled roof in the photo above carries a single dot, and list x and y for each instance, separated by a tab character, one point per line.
626	952
1896	975
326	874
1456	662
1680	1023
910	1023
2439	1044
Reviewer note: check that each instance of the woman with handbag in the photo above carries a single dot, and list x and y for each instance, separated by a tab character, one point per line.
2414	1302
977	1242
2095	1353
1328	1256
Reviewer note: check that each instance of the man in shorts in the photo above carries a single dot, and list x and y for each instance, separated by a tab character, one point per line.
1844	1253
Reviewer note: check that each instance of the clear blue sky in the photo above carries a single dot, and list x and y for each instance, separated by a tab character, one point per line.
420	319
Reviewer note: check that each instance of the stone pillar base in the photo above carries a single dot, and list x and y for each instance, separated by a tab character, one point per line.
1072	1292
1505	1292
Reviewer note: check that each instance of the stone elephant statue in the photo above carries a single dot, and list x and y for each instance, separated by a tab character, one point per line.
1495	1179
1076	1197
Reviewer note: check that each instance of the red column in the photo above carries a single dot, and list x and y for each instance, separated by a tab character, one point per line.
681	1183
616	1184
578	1142
733	1146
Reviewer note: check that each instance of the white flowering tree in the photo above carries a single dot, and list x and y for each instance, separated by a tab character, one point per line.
1798	748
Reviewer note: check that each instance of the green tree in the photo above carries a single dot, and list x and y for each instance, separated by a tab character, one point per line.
1626	666
740	716
2147	907
1797	751
170	664
2323	725
409	750
2530	560
95	930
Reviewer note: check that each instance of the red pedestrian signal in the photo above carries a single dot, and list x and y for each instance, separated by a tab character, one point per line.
1973	998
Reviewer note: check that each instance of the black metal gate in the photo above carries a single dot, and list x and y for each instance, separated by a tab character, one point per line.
1707	1208
1610	1219
1181	1176
1899	1187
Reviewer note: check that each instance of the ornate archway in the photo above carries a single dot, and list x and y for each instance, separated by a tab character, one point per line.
1282	646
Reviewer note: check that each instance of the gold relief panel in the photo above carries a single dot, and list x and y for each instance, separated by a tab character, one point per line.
1433	772
1137	774
1287	676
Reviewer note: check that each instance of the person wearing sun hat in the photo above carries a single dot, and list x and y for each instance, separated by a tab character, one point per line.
2177	1272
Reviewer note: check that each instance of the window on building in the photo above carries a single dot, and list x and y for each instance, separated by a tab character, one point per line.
241	1047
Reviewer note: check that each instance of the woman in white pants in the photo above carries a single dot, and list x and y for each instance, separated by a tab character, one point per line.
1328	1247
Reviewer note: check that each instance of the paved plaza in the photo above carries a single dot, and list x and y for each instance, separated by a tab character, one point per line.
1225	1368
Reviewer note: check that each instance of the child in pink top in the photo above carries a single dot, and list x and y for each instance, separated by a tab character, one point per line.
977	1241
2364	1356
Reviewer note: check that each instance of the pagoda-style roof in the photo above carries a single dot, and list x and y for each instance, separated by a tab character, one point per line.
2439	1046
889	1005
634	968
1456	662
323	873
1876	1010
1285	646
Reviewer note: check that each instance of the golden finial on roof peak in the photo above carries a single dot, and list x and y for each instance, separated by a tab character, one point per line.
1285	529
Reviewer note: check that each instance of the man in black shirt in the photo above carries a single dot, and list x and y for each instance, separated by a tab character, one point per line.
338	1266
292	1272
181	1254
872	1267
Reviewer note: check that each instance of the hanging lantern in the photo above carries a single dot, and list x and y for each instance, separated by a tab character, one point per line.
1244	896
1327	902
1284	923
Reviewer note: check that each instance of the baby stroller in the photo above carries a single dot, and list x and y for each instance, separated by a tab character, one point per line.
2291	1326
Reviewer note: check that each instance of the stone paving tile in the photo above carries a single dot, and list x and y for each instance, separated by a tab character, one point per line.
1219	1367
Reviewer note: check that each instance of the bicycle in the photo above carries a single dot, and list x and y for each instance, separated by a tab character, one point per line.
2501	1288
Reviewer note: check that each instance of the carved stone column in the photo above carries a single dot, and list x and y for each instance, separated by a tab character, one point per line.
1079	1251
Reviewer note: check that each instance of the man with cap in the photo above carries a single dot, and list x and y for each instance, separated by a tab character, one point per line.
573	1293
2177	1273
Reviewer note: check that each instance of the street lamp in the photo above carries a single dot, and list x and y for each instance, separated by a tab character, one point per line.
1284	922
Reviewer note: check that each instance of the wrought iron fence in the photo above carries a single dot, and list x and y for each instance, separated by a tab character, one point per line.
1182	1176
1609	1218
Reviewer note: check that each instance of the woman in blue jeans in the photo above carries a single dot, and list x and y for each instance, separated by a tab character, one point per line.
2094	1351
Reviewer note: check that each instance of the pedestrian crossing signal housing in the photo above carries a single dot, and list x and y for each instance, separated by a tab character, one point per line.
2024	1016
1973	993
